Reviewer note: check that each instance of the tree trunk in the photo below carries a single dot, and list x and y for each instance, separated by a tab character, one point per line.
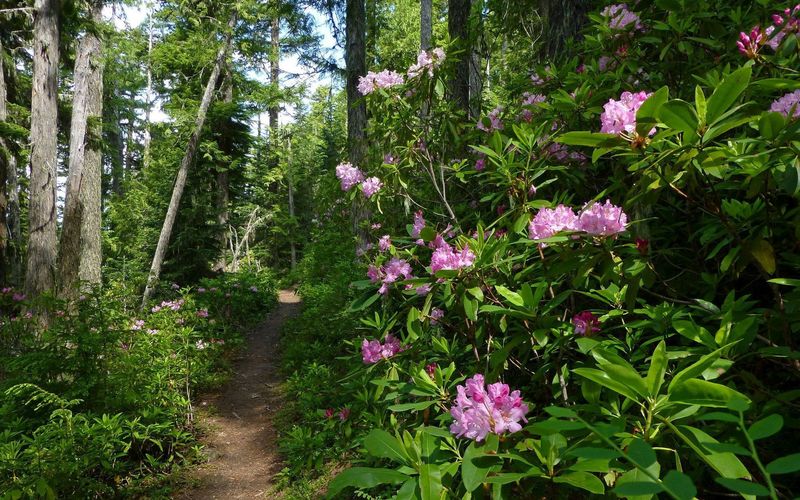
425	24
5	162
8	164
290	185
149	89
274	72
223	182
563	20
42	241
79	254
458	28
188	159
118	159
355	55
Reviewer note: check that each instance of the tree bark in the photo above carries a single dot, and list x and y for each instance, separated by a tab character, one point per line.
149	89
274	72
223	182
8	164
563	20
356	60
458	28
42	241
425	24
80	253
188	159
5	162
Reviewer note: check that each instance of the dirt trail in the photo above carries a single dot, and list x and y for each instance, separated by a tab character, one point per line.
241	444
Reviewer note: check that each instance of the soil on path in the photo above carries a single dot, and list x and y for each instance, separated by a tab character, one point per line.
241	441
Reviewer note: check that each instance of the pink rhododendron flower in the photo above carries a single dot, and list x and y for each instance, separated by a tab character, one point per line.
431	369
436	315
389	273
480	164
750	43
424	290
479	411
18	297
382	80
329	413
586	323
550	221
620	18
603	63
619	117
602	219
384	243
447	258
348	175
788	105
373	351
426	62
344	414
419	224
138	324
642	245
371	186
494	121
202	313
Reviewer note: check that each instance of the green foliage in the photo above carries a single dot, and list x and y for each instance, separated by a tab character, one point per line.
99	400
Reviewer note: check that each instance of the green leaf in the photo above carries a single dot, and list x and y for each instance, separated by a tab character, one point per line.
725	463
476	466
476	292
637	488
592	139
421	405
582	480
641	453
785	465
700	104
512	297
620	370
695	333
679	115
785	281
727	93
560	412
763	253
430	482
704	393
680	484
696	368
658	367
364	301
606	381
766	427
364	477
646	116
770	124
742	486
380	443
593	453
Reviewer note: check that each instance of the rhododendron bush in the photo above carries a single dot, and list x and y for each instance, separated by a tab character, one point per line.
591	285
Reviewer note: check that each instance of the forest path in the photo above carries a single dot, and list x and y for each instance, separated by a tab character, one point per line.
241	441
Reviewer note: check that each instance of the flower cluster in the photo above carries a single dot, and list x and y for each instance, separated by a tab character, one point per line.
445	257
480	411
382	80
494	122
349	175
586	323
373	351
595	219
750	43
370	186
175	305
619	117
620	18
419	224
426	62
385	243
788	105
389	273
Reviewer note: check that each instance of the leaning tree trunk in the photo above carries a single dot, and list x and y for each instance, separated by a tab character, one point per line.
188	159
42	240
563	20
356	60
425	24
79	256
458	28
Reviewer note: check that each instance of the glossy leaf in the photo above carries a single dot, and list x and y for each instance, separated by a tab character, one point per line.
727	93
364	477
657	369
582	480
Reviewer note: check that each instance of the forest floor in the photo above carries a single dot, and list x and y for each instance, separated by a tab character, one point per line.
241	441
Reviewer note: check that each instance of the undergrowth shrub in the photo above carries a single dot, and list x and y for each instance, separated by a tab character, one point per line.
99	399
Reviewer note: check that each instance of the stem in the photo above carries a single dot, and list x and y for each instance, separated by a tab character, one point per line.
772	493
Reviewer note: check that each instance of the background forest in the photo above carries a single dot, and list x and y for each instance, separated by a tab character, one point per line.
545	249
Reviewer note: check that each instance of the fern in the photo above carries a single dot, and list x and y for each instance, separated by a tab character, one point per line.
40	397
